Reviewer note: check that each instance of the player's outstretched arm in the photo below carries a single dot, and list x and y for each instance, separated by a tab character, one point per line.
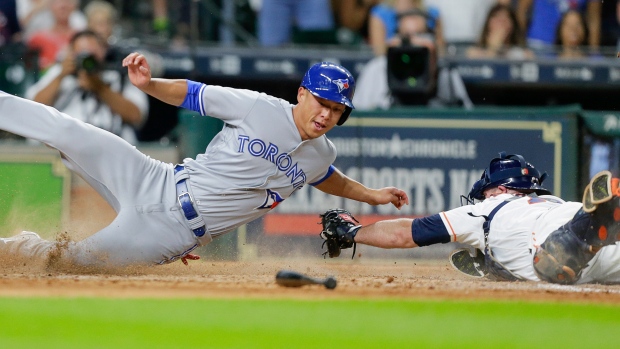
167	90
393	233
340	185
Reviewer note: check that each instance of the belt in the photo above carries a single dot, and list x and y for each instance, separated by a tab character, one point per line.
186	201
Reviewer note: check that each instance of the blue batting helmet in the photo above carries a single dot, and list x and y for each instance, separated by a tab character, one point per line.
332	82
511	171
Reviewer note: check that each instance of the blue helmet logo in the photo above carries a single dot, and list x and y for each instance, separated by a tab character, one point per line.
342	84
332	82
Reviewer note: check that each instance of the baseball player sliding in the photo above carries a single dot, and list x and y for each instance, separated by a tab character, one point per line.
267	150
525	233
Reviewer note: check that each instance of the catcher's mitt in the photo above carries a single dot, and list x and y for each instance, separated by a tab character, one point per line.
339	230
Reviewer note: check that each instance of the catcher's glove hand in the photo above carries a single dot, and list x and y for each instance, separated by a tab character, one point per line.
339	230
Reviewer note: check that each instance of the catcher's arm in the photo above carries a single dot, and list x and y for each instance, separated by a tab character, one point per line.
392	233
341	231
341	185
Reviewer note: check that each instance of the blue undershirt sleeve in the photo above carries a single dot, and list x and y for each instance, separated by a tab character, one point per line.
330	170
193	98
429	231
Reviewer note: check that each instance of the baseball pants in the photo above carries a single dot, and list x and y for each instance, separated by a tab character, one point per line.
149	227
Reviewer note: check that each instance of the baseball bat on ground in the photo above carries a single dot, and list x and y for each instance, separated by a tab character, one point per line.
289	278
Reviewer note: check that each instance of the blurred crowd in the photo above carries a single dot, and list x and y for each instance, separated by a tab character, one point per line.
76	40
484	28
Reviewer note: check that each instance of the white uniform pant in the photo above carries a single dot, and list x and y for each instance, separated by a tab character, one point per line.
604	267
149	228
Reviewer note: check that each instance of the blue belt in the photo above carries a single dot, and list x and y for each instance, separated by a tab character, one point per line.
187	205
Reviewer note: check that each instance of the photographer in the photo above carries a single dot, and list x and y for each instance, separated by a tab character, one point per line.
409	74
83	87
372	90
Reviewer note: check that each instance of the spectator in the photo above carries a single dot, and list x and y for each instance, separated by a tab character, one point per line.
354	15
462	19
9	34
277	18
9	25
372	90
36	15
383	23
545	16
50	42
500	37
571	35
610	23
161	22
82	88
102	18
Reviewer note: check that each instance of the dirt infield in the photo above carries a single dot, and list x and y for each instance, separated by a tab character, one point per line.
357	279
361	278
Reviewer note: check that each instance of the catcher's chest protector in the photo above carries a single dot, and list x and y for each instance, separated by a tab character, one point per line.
495	269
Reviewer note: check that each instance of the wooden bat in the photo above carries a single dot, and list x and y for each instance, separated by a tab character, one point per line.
289	278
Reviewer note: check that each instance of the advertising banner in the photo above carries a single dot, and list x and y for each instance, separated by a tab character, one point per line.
435	160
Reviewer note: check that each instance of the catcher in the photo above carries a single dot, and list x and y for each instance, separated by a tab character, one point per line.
518	230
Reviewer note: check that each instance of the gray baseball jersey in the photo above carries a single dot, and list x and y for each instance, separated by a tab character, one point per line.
254	163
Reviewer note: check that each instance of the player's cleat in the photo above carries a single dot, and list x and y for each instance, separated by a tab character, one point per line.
23	236
601	200
467	263
602	188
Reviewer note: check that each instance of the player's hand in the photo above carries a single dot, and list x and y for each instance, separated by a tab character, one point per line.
190	256
138	69
392	195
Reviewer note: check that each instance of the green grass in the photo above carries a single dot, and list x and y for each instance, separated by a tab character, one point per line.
211	323
31	197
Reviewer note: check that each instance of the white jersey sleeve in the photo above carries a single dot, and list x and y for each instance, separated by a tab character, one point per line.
462	224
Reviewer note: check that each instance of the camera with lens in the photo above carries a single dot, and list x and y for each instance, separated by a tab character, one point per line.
409	70
411	65
87	62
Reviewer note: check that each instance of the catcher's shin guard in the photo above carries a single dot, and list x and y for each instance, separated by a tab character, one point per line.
339	230
562	257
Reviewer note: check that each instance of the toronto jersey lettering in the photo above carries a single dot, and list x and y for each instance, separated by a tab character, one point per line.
283	161
256	161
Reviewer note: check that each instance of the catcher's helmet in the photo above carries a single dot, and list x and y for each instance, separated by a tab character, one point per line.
332	82
511	171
